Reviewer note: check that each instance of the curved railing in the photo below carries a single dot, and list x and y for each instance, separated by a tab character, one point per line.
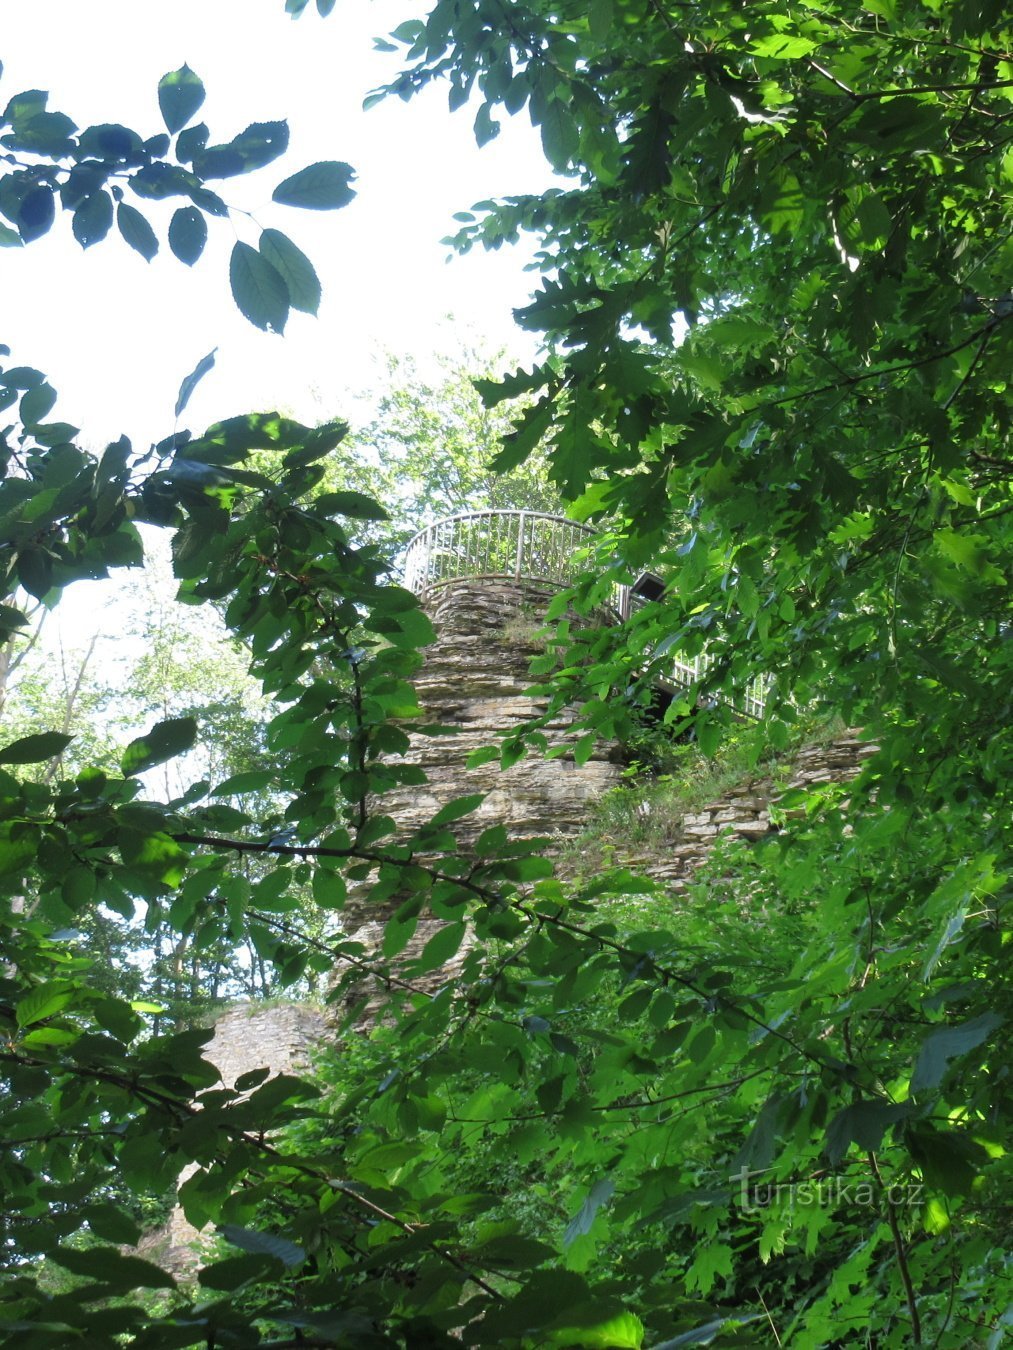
539	547
524	545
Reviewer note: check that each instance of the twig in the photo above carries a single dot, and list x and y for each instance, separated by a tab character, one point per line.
898	1246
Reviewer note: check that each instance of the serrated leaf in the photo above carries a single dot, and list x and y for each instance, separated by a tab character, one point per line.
600	1194
188	233
323	186
295	269
35	572
37	404
35	749
180	94
164	741
862	1123
264	1244
258	289
93	219
43	1002
253	780
939	1047
355	505
625	1331
560	137
36	213
441	948
136	231
109	1267
456	809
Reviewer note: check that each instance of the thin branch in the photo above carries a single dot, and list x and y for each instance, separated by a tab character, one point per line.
900	368
916	89
899	1248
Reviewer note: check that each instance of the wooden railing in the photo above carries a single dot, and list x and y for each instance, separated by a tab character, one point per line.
538	547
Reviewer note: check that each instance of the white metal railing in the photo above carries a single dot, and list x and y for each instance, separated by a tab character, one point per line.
535	546
524	545
685	673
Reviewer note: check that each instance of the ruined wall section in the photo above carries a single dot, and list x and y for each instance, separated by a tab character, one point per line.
475	679
743	812
474	684
278	1037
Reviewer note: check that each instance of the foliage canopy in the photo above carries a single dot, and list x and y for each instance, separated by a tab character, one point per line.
776	302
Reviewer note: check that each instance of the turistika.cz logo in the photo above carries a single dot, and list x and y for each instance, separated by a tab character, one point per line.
825	1192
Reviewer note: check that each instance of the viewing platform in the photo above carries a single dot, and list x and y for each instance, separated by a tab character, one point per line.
537	548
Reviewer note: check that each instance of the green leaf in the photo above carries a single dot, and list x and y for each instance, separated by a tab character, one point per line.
112	1224
35	571
862	1123
188	233
560	137
136	231
180	94
514	1252
193	380
44	745
456	809
441	948
939	1047
36	212
43	1002
93	219
258	289
37	404
319	187
295	269
235	1272
355	505
264	1244
109	1267
782	47
164	741
254	780
600	1194
624	1331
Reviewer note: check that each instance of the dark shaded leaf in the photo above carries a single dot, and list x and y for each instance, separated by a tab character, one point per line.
319	187
264	1244
295	269
136	231
93	219
193	380
188	233
258	289
180	94
35	749
164	741
939	1047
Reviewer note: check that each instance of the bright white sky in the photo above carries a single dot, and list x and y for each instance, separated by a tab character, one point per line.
116	335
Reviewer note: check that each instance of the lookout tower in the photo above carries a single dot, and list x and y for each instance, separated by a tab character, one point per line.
485	579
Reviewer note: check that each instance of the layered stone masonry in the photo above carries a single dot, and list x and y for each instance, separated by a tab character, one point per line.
278	1037
743	812
475	679
474	682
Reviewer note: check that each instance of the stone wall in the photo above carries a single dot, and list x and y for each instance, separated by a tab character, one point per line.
474	679
279	1037
742	812
473	684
